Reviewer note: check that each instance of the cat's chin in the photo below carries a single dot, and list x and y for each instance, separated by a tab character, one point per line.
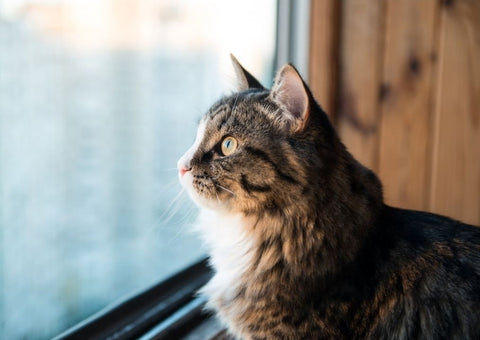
207	203
210	203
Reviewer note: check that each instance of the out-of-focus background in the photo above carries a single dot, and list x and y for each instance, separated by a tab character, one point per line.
99	98
401	80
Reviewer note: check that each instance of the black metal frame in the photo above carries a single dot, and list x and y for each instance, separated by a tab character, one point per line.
165	309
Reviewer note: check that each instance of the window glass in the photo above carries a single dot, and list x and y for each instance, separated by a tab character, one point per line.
98	100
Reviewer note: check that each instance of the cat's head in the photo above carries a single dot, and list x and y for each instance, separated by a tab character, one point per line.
256	149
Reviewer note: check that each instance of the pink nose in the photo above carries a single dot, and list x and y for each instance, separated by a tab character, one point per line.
183	171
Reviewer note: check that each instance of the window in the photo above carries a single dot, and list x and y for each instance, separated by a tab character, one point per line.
98	99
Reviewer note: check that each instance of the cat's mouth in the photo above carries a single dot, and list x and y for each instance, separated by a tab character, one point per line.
205	190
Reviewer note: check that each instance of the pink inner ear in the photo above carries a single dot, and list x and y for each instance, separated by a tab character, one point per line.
297	97
289	91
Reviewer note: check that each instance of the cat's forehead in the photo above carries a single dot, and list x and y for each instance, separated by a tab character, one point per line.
239	111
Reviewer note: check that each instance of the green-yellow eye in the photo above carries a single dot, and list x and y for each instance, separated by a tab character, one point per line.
229	145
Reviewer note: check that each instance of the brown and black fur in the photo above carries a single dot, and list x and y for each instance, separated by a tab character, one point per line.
328	259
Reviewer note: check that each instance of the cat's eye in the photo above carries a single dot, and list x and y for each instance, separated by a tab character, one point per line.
229	145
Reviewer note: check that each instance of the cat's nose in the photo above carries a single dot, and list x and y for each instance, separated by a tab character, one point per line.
183	166
183	170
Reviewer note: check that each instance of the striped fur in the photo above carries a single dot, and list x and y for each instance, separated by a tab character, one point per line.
301	241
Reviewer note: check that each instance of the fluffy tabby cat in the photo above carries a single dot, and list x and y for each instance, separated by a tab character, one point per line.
301	241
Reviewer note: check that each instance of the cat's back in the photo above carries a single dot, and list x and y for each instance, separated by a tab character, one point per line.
413	235
427	277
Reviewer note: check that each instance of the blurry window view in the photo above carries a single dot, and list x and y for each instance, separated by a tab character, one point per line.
98	99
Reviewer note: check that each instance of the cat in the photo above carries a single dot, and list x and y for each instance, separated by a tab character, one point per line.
301	242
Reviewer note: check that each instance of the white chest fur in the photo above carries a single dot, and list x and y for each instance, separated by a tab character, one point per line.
230	249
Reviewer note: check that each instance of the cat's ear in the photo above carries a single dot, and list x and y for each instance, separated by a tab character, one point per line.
290	91
244	78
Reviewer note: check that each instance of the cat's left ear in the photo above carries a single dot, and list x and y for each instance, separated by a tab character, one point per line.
244	78
290	91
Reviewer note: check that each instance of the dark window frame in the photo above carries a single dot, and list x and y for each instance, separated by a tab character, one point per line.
167	308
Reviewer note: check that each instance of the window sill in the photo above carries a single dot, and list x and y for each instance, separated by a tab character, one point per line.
168	310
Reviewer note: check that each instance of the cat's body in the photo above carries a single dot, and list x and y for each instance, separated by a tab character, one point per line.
301	241
414	277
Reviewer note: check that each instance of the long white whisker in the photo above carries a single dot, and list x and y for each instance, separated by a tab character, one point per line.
227	190
183	226
169	212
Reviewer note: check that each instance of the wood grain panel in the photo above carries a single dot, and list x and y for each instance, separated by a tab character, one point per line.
406	106
456	163
323	50
359	80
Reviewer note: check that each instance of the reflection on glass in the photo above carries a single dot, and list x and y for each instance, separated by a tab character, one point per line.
98	99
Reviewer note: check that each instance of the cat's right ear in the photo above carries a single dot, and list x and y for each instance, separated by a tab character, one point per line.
244	78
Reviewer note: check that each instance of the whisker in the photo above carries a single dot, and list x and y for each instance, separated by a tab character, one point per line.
169	212
182	227
171	184
227	190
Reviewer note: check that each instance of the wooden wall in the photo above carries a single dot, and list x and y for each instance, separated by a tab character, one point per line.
401	81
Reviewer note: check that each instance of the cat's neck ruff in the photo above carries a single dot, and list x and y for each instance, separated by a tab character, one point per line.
231	255
224	234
